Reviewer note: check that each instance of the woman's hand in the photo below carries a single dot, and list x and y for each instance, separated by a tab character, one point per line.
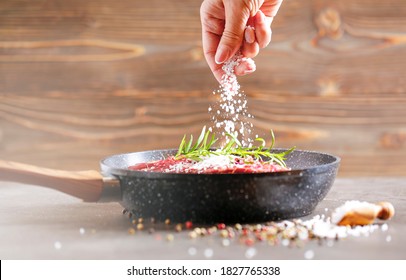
231	25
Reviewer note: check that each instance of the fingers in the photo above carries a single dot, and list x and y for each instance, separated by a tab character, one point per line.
249	34
212	28
257	36
263	31
237	16
250	50
210	42
224	31
247	66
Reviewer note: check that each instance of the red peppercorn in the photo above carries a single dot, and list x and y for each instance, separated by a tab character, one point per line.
188	225
249	241
221	226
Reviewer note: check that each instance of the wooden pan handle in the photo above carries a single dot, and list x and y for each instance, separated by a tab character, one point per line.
87	185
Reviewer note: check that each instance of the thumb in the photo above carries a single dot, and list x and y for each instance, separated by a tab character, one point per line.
237	16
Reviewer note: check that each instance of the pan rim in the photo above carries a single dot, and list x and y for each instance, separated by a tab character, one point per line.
107	169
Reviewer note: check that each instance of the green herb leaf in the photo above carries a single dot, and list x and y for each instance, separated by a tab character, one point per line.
182	144
204	147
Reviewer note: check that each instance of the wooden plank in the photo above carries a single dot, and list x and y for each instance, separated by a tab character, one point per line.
80	80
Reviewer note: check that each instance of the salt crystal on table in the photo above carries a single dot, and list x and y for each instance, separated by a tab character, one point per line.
208	253
309	254
57	245
225	242
192	251
250	253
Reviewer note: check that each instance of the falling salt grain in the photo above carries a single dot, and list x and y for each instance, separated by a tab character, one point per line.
309	254
82	231
208	253
58	245
231	95
384	227
388	238
250	253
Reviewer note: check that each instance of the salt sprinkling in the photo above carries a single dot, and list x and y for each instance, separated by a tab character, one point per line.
230	113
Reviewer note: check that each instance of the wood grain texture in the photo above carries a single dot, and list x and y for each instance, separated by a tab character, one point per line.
80	80
86	185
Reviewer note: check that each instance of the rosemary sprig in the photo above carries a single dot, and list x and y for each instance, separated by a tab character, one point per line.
206	140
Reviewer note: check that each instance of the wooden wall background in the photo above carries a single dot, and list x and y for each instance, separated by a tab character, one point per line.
83	79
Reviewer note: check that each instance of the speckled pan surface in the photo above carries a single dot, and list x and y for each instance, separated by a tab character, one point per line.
228	198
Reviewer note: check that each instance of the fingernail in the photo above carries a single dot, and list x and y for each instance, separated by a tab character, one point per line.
248	71
249	68
250	64
249	35
222	55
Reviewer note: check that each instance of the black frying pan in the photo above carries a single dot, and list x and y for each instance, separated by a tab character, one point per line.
200	198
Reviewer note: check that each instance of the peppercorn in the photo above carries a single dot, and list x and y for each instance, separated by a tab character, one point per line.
188	225
212	230
224	233
178	227
170	237
221	226
192	234
249	241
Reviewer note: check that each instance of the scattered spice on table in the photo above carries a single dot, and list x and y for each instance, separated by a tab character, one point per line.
292	233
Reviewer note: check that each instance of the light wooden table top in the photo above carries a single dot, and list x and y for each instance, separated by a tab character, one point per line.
38	223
